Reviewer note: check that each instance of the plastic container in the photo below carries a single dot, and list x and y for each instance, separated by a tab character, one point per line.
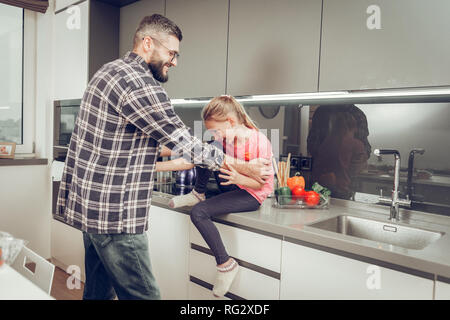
290	202
9	248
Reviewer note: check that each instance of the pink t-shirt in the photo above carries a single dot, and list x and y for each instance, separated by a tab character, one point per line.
257	146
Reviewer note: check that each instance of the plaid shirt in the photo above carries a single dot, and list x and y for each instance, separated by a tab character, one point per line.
124	116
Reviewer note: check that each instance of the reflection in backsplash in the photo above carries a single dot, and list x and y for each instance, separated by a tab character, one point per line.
338	144
341	140
420	132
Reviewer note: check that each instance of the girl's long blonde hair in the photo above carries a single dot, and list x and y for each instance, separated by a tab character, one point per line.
220	107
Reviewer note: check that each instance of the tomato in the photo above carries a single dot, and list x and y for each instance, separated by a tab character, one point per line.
312	198
296	180
298	192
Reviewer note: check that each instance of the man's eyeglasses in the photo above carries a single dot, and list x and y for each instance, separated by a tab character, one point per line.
172	53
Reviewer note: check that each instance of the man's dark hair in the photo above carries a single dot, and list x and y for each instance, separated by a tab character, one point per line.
156	23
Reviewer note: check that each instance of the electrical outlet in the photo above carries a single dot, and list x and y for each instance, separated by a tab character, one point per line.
299	163
305	164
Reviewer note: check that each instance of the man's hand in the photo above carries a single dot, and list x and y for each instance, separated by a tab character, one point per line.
259	169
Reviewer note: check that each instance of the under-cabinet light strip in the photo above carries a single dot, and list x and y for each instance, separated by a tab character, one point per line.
318	97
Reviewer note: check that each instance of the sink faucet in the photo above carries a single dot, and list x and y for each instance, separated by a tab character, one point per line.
395	201
409	186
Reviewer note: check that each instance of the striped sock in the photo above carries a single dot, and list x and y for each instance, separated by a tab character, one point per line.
224	278
187	200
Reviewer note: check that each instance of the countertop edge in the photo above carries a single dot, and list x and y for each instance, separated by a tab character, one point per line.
23	162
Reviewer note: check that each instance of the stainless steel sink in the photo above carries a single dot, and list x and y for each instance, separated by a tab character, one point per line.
394	234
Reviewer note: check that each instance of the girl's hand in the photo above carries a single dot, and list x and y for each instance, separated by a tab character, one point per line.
231	175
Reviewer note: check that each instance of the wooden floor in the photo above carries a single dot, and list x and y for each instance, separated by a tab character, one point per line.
60	291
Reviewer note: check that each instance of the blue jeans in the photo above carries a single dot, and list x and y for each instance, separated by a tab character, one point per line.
118	264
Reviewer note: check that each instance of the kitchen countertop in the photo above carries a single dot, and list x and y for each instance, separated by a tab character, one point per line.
294	225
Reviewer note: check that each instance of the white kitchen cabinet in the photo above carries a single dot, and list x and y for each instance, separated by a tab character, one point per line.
61	4
442	291
384	44
314	274
252	247
67	248
273	46
168	236
197	292
258	277
71	34
248	284
86	36
201	69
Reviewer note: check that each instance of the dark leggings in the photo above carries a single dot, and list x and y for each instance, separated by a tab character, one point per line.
231	200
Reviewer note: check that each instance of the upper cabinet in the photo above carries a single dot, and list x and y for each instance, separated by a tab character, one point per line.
130	16
103	35
201	68
71	32
273	46
250	47
86	37
369	44
61	4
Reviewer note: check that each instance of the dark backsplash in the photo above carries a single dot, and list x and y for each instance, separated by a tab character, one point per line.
345	162
403	127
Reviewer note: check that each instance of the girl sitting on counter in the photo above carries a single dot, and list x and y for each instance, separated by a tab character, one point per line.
239	137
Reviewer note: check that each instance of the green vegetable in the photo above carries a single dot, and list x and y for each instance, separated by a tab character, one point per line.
324	192
283	195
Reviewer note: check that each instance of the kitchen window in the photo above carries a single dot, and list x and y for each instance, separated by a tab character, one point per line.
17	40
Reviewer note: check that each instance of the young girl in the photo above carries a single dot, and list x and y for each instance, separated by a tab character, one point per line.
238	135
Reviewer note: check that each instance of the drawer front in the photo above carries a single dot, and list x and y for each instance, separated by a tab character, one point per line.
252	247
197	292
248	284
442	291
313	274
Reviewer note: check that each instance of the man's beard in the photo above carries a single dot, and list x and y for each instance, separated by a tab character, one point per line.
156	67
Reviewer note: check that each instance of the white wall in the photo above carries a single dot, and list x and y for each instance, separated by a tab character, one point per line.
45	82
